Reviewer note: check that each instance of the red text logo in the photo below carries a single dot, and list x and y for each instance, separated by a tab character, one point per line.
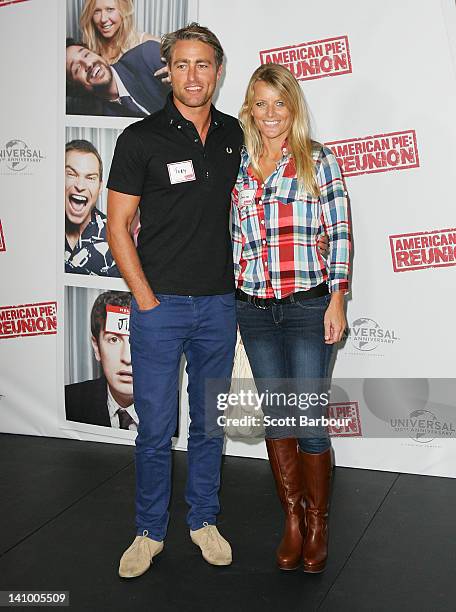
28	320
345	410
423	250
7	2
379	153
2	239
312	60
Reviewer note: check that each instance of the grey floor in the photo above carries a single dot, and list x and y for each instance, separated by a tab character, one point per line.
67	513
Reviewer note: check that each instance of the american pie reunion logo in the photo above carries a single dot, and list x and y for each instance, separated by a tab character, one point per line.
28	320
8	2
348	411
312	60
378	153
421	250
2	239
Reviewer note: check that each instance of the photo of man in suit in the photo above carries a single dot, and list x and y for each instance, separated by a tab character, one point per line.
108	400
128	88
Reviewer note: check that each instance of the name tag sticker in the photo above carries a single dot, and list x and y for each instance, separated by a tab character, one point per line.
117	320
181	172
246	197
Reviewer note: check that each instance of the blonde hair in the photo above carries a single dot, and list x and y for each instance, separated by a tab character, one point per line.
299	141
127	36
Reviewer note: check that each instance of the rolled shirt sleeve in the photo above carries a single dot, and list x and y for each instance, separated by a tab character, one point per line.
334	203
236	231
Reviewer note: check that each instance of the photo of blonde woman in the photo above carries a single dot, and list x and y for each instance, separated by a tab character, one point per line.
108	28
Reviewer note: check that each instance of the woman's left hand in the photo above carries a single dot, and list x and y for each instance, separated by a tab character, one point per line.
335	321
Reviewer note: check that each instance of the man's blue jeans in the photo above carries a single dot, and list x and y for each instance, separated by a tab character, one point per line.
204	329
286	341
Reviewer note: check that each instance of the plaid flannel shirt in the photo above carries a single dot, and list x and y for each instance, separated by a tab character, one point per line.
275	229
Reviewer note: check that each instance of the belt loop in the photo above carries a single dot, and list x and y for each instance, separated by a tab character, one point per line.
292	299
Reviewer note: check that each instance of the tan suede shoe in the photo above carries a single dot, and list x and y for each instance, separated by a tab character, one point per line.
138	557
214	547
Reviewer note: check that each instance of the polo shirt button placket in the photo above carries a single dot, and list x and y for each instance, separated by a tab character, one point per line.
196	218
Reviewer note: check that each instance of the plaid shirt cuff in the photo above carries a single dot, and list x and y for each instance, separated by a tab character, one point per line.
338	285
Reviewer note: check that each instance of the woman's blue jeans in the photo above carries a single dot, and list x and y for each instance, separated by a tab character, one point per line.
286	341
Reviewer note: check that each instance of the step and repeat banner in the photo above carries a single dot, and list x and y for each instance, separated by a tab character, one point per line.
380	81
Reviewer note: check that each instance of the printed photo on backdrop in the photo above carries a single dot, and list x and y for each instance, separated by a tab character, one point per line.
98	361
113	61
86	246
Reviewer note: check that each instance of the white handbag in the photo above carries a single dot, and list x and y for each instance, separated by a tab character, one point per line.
245	419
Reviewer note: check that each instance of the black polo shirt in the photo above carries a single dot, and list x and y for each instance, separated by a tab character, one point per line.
184	244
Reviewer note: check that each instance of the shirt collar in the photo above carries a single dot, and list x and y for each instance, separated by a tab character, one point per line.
113	407
176	118
286	155
96	220
120	86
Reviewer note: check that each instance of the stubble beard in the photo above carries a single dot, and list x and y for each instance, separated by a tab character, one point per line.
102	90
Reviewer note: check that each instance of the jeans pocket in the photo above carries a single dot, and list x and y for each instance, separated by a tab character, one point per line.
137	310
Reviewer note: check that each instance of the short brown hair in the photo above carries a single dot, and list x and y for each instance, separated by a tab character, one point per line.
191	32
84	146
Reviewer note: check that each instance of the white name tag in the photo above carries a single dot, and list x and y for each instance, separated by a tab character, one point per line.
117	320
181	172
246	197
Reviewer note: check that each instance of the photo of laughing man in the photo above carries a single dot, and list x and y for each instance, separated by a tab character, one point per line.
86	247
134	86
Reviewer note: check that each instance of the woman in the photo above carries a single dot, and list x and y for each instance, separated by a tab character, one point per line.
108	28
290	301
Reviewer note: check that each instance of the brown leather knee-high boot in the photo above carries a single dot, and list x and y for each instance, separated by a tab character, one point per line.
316	475
284	461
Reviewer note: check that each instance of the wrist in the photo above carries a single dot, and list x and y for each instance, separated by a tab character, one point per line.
337	297
146	300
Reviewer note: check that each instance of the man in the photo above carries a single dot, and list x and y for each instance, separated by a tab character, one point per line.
179	166
108	400
86	248
127	88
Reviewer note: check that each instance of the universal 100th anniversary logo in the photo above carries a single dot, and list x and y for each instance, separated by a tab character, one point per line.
18	157
423	426
367	336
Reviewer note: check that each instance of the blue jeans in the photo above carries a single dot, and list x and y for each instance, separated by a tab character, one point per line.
204	329
286	341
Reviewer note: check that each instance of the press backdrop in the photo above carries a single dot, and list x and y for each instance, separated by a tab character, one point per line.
380	80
